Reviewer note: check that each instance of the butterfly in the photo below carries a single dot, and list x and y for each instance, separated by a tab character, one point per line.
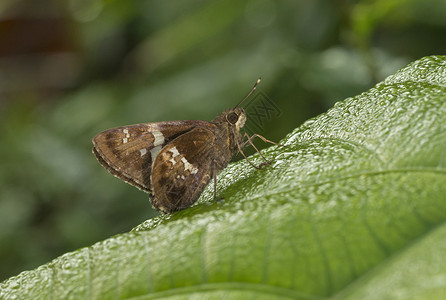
174	161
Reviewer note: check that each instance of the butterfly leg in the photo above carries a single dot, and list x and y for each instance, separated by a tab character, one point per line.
214	176
250	162
250	138
249	141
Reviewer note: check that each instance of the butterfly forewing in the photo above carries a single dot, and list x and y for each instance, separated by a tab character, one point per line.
184	168
129	151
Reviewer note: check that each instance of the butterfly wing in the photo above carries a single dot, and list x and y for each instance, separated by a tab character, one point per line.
128	152
182	170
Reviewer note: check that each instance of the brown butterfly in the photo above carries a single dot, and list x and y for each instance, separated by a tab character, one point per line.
174	161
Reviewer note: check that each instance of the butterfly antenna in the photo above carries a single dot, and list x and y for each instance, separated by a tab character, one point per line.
250	92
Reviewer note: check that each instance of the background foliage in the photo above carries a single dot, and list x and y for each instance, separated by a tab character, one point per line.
70	69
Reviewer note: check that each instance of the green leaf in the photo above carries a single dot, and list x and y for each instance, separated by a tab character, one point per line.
352	207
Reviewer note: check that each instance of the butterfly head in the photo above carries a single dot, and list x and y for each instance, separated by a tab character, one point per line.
236	117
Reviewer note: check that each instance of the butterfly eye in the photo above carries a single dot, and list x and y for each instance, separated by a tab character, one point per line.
232	118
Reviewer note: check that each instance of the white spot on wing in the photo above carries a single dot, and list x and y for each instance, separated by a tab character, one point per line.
157	135
175	153
143	151
154	152
127	135
189	166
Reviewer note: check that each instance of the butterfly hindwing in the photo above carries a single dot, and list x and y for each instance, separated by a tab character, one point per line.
182	170
128	152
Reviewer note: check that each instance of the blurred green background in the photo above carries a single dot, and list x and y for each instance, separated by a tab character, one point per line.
70	69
